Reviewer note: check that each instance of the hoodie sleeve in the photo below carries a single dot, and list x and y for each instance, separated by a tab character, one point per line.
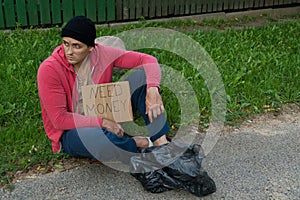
132	59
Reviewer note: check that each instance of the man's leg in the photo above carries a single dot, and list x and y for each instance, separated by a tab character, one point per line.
138	87
97	143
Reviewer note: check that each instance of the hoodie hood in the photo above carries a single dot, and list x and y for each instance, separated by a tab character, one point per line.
59	55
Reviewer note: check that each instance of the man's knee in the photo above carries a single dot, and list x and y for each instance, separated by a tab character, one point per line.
136	80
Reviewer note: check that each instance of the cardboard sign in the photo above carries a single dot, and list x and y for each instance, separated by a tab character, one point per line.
110	101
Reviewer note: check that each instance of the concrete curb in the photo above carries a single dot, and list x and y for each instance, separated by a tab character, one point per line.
218	15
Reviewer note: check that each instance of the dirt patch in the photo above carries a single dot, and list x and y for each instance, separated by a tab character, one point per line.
42	169
236	23
269	121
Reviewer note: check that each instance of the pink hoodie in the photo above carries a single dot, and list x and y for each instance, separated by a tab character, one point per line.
56	78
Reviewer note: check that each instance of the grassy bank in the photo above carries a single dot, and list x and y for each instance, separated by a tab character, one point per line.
260	68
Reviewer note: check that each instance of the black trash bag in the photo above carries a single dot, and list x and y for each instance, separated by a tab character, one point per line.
160	169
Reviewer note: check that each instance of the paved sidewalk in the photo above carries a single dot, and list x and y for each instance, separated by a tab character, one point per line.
244	164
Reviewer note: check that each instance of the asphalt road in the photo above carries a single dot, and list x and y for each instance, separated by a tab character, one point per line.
245	164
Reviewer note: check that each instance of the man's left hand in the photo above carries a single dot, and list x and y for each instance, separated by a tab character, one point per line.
154	104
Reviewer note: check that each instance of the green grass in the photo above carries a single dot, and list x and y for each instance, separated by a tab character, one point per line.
260	68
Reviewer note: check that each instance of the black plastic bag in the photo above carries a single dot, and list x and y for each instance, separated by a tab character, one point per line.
160	169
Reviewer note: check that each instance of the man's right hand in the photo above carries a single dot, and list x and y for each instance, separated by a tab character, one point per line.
112	126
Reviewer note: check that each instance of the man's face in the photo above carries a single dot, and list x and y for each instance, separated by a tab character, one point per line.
75	51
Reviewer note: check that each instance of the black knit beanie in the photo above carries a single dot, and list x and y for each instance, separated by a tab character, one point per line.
82	29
